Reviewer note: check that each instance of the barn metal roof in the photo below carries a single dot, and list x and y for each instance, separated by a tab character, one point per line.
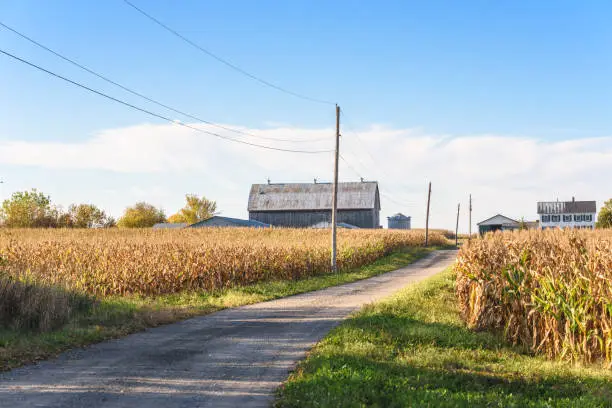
566	207
313	196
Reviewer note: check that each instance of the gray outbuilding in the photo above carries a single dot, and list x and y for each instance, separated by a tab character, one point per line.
301	205
497	223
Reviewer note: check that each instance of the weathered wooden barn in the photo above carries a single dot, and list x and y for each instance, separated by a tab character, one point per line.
305	204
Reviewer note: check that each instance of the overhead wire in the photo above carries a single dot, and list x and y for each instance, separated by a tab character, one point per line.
156	115
140	95
363	144
224	61
350	166
407	204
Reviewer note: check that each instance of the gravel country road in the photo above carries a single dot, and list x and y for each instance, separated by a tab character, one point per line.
233	358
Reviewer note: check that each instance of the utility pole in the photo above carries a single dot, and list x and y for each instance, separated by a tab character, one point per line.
427	219
334	265
457	227
470	227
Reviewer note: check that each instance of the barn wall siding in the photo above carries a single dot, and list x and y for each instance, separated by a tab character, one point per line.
359	218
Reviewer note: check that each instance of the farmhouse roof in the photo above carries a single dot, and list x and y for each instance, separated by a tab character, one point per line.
313	196
566	207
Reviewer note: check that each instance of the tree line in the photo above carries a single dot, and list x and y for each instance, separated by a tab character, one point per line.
34	209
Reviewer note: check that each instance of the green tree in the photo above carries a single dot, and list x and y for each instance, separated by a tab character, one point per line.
604	219
141	215
86	216
196	209
28	209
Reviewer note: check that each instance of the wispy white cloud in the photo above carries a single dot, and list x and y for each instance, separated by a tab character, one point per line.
504	174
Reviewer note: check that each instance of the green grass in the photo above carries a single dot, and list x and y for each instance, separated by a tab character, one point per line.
118	316
413	350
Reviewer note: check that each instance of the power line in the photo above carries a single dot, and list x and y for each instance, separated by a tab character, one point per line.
363	144
364	166
407	204
349	166
403	204
156	114
224	61
125	88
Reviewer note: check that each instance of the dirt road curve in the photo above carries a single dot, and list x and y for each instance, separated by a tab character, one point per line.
233	358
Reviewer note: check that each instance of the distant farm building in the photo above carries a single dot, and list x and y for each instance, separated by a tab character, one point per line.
567	214
218	221
497	223
170	225
399	221
304	204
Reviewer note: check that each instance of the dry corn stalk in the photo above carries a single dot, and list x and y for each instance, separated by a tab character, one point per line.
548	290
150	262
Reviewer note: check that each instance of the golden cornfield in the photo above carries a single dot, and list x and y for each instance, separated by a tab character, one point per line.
548	290
151	262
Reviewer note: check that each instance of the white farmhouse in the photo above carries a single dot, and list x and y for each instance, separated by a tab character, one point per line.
567	214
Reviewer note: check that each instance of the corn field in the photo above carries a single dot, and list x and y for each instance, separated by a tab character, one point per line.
152	262
548	290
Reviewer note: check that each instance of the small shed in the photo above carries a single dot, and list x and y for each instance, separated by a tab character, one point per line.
399	221
497	223
170	225
218	221
300	205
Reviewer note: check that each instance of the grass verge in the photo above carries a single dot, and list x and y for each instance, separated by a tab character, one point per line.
413	350
118	316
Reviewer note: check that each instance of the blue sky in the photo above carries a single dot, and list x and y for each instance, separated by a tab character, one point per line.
404	72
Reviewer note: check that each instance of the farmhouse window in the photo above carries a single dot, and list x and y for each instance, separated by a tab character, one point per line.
588	217
555	218
567	218
546	218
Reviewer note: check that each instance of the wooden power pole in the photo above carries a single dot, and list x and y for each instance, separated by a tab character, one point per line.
334	220
457	227
427	219
470	226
